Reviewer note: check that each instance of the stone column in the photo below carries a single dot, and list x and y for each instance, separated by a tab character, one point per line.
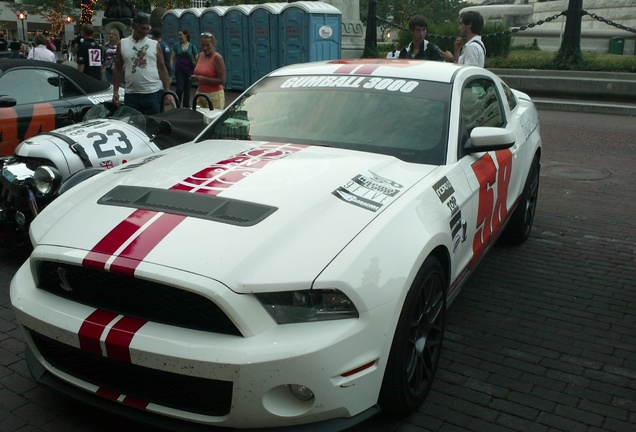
352	28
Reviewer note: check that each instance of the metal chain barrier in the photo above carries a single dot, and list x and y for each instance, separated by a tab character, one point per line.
606	21
518	29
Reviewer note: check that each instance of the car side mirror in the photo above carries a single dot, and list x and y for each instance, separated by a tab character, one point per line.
7	102
54	81
486	138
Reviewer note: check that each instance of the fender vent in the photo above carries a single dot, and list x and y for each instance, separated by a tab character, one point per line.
194	205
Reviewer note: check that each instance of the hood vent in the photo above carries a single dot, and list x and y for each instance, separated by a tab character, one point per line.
194	205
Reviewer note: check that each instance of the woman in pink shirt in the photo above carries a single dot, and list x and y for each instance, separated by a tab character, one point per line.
210	72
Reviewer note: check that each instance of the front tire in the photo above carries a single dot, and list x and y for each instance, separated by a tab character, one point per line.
417	343
521	220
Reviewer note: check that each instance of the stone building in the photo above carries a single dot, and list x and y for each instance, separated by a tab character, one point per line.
596	35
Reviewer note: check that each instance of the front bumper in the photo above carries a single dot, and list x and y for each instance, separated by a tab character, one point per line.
244	378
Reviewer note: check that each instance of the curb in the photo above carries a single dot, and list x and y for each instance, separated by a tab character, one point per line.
593	107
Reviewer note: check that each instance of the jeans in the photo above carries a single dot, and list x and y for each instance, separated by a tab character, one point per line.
183	87
145	103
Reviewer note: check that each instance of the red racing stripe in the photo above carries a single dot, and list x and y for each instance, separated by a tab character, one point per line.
135	402
120	336
107	246
107	393
211	180
92	329
136	251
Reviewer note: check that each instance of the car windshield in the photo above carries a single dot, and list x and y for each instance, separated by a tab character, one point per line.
123	113
403	118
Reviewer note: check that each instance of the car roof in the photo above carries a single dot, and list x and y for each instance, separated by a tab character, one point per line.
85	82
405	69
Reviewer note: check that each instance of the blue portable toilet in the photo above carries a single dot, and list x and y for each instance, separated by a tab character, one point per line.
263	37
212	21
190	21
309	31
170	26
236	47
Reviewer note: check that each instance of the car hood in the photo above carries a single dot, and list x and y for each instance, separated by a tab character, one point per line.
285	211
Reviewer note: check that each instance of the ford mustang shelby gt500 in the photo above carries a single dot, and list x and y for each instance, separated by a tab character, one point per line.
292	265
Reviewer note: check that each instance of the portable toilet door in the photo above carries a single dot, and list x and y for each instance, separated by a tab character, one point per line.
263	37
212	21
310	31
236	47
190	21
170	26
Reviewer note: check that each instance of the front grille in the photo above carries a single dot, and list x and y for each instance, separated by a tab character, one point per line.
134	297
197	395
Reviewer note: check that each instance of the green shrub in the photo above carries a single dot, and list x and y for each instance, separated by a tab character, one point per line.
528	59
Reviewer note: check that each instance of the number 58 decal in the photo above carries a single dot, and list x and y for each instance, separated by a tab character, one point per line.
493	179
102	139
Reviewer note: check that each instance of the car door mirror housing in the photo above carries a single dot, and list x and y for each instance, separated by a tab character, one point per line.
487	138
7	102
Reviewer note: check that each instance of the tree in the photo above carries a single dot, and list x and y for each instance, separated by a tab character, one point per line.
569	55
54	11
400	11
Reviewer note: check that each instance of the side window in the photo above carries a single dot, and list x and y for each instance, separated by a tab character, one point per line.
44	86
510	96
69	89
480	106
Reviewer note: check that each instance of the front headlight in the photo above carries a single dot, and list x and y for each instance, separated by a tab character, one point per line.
308	305
46	179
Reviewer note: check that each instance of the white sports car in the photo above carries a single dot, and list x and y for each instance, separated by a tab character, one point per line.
292	265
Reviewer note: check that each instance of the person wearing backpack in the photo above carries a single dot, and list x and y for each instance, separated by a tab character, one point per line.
469	49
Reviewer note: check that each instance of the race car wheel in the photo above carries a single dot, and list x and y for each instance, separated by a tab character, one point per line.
417	342
521	220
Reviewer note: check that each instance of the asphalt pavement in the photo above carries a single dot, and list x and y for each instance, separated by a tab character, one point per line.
541	339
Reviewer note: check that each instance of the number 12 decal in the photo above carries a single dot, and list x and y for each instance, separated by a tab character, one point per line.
492	209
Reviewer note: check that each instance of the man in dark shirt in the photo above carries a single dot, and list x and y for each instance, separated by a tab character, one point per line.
420	48
89	54
167	52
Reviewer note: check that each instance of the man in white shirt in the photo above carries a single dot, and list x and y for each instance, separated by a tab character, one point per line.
40	51
469	49
394	54
147	78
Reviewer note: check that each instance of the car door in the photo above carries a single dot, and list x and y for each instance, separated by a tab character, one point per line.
489	174
40	104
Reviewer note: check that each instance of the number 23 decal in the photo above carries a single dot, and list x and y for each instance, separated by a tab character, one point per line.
103	139
492	211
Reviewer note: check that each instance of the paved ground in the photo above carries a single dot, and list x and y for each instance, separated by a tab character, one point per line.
542	338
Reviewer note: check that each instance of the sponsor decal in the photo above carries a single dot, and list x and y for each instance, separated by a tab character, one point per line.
144	161
42	120
108	164
371	83
369	192
443	189
97	99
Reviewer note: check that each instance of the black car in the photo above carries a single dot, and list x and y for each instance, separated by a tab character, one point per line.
36	96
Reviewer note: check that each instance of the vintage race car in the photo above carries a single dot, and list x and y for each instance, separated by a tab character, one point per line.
36	96
293	265
108	136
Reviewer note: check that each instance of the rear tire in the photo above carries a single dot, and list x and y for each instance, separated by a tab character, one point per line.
417	343
521	220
